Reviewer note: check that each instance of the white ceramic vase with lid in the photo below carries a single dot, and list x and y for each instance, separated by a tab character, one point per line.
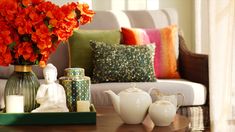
131	104
173	98
162	112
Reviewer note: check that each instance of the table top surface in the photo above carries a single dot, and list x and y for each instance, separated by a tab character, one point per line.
107	121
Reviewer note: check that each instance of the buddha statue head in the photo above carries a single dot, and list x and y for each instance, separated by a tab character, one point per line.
50	73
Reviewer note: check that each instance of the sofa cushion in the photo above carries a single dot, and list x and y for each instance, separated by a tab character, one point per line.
166	41
115	19
59	58
120	63
80	50
5	72
194	93
2	87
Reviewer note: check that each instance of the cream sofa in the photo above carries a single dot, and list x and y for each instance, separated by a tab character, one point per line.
193	67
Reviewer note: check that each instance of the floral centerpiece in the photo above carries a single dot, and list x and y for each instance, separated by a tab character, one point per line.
30	30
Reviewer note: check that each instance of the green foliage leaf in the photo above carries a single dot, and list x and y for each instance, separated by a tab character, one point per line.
50	26
12	45
46	21
35	49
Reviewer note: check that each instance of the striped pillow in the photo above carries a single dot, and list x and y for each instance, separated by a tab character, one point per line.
165	39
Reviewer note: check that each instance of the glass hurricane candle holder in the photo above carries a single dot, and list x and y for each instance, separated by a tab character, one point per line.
21	89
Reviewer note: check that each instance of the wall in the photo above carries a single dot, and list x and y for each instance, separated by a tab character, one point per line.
185	10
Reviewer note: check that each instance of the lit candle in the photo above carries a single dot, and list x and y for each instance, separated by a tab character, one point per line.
83	106
14	104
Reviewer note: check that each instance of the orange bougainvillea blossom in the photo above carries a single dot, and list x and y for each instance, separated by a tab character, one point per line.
30	30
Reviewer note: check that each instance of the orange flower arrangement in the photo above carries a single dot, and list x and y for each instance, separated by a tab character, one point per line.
30	30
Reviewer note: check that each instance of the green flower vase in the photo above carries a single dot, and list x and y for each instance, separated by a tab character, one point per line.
22	83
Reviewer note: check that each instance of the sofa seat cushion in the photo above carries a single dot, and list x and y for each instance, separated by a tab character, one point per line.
194	93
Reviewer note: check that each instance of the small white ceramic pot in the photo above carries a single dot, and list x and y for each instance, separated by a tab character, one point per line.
162	112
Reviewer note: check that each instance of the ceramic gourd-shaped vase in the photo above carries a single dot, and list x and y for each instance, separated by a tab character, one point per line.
162	112
77	87
173	98
21	89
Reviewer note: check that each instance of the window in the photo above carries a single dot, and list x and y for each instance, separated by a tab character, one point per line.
125	4
89	2
116	4
152	4
61	2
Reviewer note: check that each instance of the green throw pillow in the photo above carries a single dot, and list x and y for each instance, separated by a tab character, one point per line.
121	63
80	50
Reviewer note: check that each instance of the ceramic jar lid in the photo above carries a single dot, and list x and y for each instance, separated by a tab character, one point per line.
74	72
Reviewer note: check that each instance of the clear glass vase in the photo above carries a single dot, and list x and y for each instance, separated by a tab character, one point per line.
21	89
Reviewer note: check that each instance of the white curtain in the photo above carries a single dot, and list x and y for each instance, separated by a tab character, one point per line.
221	25
201	26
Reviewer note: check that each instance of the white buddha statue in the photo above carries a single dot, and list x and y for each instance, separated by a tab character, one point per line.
51	95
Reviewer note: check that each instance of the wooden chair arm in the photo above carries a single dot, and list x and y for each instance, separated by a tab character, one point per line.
192	66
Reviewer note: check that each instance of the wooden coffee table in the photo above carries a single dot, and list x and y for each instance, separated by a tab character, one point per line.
107	121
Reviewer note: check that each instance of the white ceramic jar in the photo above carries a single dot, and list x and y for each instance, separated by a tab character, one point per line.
173	98
162	112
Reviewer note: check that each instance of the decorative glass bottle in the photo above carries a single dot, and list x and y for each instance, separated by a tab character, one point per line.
22	85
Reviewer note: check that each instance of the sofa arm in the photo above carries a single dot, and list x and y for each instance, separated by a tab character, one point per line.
192	66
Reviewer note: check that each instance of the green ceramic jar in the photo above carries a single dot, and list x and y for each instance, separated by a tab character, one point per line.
76	85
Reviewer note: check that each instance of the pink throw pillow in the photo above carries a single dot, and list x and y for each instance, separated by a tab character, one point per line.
165	62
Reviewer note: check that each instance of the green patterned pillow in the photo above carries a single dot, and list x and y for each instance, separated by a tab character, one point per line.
121	63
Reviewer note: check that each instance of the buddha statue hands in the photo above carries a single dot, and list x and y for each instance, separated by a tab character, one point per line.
51	95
